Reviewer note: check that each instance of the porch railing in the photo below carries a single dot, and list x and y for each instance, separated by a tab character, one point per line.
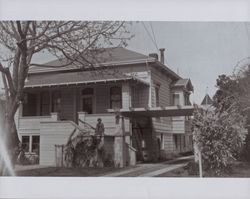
33	122
108	119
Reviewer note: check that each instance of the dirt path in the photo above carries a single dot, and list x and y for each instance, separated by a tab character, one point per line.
150	170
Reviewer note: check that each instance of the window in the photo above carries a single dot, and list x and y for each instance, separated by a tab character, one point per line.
56	101
176	99
187	102
115	98
35	144
87	100
162	141
25	143
30	104
44	108
157	97
176	141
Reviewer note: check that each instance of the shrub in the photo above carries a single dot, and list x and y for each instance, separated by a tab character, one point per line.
219	137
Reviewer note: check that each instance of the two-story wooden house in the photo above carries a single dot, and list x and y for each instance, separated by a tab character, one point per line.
126	83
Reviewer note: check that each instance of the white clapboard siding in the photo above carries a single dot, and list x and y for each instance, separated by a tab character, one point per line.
53	133
169	143
178	125
163	124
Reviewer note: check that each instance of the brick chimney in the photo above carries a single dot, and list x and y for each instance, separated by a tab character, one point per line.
162	55
154	55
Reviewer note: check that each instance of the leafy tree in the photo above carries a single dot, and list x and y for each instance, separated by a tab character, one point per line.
235	91
219	131
72	42
218	135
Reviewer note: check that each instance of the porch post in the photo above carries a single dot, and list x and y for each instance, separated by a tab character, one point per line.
119	158
126	95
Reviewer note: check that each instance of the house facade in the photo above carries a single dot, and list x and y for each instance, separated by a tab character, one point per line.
60	99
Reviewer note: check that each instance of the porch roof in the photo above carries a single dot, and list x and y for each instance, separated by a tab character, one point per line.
169	111
75	78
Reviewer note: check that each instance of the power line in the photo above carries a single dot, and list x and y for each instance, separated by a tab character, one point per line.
150	35
153	34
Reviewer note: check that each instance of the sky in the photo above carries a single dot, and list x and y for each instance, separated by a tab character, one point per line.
197	50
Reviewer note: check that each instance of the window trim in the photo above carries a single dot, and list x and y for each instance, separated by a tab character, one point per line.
92	96
157	94
173	97
57	103
110	97
41	103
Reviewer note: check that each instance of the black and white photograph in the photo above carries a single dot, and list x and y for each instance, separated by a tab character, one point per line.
109	104
125	99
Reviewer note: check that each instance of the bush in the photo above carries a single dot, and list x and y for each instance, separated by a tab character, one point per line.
219	137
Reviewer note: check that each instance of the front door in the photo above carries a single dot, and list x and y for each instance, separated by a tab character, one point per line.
87	104
87	100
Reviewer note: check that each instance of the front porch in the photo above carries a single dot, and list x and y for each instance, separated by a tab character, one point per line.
50	112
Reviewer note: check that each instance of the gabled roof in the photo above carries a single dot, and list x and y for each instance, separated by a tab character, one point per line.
185	83
207	100
100	57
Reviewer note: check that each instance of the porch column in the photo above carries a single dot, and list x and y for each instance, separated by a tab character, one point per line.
119	144
126	95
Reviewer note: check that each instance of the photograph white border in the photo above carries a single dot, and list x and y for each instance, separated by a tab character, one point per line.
153	10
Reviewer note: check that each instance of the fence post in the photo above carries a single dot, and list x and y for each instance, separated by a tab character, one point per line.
200	164
62	155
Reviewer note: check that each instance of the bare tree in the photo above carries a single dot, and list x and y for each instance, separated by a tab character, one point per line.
70	41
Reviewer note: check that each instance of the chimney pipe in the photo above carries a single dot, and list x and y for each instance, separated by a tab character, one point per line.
162	55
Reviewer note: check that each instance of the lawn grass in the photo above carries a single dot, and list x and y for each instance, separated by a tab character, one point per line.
239	170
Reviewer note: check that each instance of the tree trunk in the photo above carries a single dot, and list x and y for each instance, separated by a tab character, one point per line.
10	134
12	140
9	138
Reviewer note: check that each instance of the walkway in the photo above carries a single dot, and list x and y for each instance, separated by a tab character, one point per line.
151	170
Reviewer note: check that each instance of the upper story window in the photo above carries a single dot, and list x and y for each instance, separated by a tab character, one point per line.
87	100
187	101
157	95
56	101
176	99
30	104
45	103
115	97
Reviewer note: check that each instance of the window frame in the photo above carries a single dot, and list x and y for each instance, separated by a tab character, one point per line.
27	148
179	100
32	143
56	101
116	94
42	104
88	95
157	95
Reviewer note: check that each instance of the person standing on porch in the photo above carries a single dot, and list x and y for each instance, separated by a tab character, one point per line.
99	131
